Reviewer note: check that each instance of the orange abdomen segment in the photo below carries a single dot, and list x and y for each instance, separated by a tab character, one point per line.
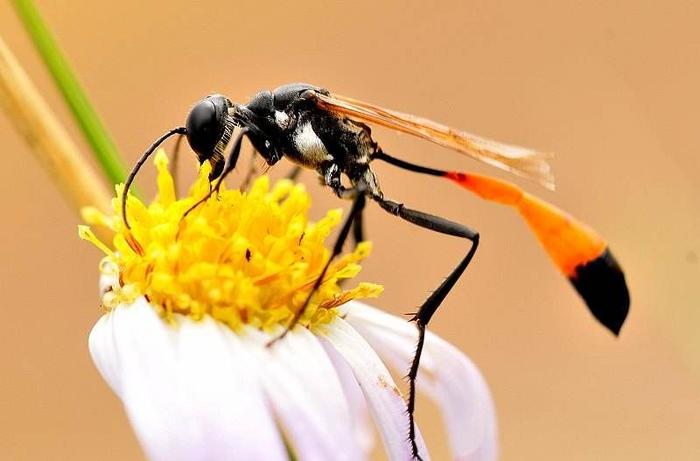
568	241
576	249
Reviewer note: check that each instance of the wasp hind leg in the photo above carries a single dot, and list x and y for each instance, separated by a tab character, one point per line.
426	311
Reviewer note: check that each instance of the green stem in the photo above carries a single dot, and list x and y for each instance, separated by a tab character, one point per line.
88	120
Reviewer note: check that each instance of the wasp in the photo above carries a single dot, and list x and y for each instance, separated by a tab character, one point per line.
329	134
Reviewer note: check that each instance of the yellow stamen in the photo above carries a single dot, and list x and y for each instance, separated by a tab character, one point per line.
85	233
242	258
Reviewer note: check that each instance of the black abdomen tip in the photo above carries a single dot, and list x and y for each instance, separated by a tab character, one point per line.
602	285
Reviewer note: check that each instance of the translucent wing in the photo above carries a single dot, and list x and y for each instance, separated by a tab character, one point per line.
517	160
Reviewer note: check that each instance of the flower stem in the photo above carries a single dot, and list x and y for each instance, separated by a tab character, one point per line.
96	134
49	140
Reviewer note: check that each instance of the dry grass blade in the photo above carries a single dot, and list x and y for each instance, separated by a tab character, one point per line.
50	142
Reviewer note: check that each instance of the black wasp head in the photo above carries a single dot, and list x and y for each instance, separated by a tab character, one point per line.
209	128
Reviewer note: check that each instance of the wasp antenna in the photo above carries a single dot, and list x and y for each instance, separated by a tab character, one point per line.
142	160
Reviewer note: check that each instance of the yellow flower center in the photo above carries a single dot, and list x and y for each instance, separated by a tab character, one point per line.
241	257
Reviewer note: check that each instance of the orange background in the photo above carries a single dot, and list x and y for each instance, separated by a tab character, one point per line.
612	89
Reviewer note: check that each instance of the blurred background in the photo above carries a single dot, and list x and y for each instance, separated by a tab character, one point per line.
611	89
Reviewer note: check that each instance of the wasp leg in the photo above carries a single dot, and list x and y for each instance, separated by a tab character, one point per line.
358	229
228	168
358	235
357	207
331	178
426	311
252	169
294	173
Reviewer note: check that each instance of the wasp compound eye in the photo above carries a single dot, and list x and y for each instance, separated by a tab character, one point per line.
205	127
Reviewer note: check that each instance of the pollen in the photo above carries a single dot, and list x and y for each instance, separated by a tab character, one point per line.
243	258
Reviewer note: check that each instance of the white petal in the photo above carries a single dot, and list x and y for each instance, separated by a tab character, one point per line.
360	418
305	392
445	374
188	389
101	345
384	398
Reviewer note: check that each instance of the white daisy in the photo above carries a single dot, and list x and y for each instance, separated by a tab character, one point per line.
191	308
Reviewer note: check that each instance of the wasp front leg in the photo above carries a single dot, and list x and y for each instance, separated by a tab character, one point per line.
230	164
357	207
330	175
331	178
